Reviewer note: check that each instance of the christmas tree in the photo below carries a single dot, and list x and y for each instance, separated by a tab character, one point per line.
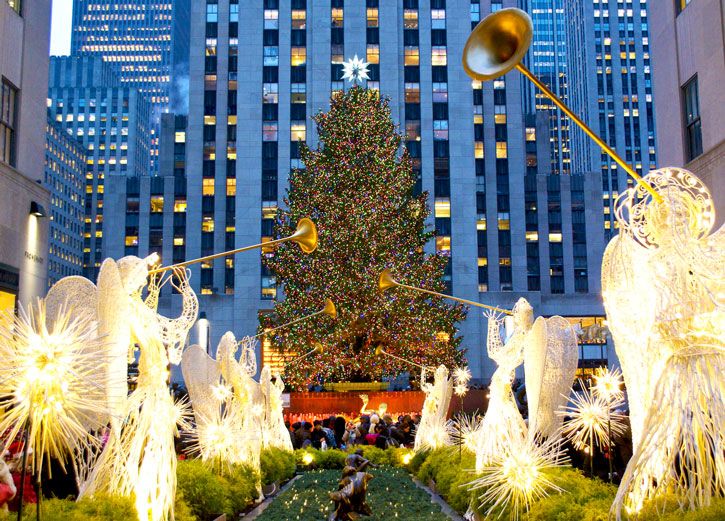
358	187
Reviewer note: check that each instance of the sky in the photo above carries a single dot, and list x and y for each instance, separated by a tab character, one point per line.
60	29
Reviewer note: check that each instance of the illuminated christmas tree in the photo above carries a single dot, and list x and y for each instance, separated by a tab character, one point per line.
358	187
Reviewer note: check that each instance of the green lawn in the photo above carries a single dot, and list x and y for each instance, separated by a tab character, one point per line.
391	495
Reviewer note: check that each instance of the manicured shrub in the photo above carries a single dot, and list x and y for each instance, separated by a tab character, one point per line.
451	470
240	488
204	491
182	510
277	465
321	459
375	455
418	460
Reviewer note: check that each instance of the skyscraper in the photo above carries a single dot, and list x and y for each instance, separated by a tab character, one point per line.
65	168
145	41
112	122
24	202
610	87
547	60
509	228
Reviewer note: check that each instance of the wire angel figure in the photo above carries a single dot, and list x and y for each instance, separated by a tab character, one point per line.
434	430
275	433
663	281
503	420
140	460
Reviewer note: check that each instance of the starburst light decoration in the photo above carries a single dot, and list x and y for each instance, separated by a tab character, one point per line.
434	430
666	316
355	70
608	384
48	369
517	476
467	431
588	416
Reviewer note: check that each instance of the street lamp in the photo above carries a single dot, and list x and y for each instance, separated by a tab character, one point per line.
203	331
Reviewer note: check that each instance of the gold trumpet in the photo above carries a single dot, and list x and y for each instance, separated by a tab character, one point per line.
498	44
319	348
386	281
305	235
380	351
330	310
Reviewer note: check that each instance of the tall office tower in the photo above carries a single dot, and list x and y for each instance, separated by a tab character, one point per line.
112	122
475	151
689	72
65	169
547	60
24	202
610	87
145	41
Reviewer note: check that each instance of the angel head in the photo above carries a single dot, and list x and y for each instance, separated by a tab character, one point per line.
134	272
523	315
441	373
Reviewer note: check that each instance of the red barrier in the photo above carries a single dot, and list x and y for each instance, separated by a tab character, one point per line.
398	402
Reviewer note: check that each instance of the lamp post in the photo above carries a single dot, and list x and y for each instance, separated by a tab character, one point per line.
203	331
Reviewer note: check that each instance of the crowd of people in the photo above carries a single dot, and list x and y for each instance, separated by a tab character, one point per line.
335	432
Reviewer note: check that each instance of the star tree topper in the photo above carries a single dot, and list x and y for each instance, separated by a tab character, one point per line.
355	70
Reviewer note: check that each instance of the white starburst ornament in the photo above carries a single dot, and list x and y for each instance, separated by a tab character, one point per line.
516	476
47	381
355	70
588	415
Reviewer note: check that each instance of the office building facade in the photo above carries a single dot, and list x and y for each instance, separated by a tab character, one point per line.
111	120
476	152
65	168
610	87
689	75
24	202
146	44
547	59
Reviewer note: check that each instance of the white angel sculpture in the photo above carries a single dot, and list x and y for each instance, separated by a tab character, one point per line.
227	402
140	459
503	420
663	281
434	430
274	431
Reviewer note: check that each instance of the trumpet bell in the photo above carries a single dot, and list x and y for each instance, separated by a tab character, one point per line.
497	44
330	309
319	348
305	235
379	351
386	280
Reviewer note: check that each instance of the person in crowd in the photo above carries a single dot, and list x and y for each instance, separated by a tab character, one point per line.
318	435
329	433
341	433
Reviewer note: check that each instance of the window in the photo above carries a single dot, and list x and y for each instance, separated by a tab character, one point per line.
337	17
373	53
438	19
679	5
299	19
157	203
207	187
298	131
438	56
372	16
410	19
693	126
411	56
298	56
8	113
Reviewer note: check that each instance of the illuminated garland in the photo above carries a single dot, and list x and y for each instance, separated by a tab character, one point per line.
358	188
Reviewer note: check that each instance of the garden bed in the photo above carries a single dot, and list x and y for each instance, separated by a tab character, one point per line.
391	495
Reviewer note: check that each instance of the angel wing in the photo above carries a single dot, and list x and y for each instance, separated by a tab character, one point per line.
552	354
631	309
113	313
534	367
201	373
78	295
